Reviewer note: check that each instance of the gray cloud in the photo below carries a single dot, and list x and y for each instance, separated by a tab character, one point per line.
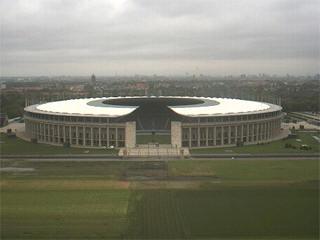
164	37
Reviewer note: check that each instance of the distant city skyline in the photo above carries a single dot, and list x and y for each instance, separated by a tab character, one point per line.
169	37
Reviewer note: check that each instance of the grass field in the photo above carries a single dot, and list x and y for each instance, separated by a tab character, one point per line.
249	199
14	145
18	146
271	147
226	212
161	139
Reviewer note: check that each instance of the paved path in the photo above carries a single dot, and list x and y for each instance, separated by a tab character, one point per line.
103	158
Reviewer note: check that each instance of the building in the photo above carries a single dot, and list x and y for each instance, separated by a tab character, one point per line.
93	80
193	122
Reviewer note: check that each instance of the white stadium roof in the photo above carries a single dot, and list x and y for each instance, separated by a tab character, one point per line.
209	107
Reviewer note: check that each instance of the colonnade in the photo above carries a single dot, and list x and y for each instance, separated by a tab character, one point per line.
204	135
76	135
182	134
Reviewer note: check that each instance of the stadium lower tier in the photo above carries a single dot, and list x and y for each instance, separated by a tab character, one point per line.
192	135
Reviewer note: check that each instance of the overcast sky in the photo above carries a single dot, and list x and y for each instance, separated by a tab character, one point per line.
124	37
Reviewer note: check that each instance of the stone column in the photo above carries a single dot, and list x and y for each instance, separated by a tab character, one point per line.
116	138
77	135
91	135
222	135
70	135
49	132
107	140
190	137
44	132
84	136
176	134
229	135
58	129
235	134
99	137
207	136
198	136
130	134
64	133
214	135
248	125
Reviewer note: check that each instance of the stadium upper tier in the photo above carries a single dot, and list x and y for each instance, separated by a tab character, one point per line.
185	106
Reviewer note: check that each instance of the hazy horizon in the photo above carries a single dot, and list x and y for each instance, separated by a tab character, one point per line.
170	37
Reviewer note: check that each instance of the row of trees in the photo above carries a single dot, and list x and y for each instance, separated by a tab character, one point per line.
294	96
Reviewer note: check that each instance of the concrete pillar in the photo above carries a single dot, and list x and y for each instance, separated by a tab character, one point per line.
207	136
49	132
91	135
176	134
58	129
64	133
235	134
70	135
229	135
130	134
99	137
44	132
247	132
190	137
116	138
84	136
77	135
214	136
266	131
198	136
222	135
108	140
270	129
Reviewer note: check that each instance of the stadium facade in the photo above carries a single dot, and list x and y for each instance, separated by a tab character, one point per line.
194	122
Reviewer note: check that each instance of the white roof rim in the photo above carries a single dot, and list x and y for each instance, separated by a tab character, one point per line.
226	106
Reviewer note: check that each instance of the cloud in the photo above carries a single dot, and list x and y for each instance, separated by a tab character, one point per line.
37	35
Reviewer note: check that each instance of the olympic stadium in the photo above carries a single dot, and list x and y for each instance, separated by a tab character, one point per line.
192	122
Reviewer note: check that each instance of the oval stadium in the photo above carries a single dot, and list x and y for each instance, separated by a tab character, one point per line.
192	122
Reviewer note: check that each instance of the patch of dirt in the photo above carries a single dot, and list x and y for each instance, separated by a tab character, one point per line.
70	184
3	183
165	184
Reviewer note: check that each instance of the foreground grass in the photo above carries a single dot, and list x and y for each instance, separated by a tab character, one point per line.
249	170
254	199
14	145
247	212
271	147
63	213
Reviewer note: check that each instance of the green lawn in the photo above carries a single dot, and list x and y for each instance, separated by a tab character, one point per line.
45	214
272	147
251	171
247	212
14	145
249	199
161	139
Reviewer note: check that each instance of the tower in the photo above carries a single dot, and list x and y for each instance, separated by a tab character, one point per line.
93	80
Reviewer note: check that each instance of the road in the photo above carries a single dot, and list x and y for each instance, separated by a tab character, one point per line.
104	158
